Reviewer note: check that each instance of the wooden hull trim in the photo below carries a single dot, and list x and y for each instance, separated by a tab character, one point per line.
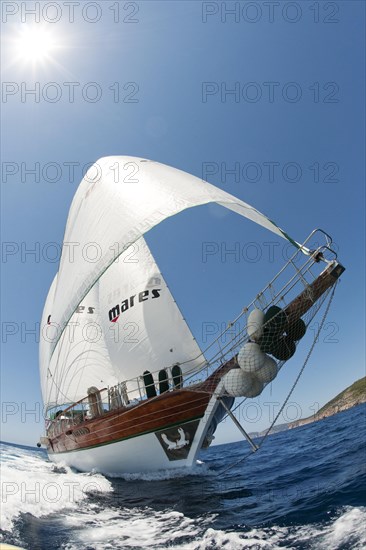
168	410
112	441
167	446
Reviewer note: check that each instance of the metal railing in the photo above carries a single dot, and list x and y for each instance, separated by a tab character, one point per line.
295	276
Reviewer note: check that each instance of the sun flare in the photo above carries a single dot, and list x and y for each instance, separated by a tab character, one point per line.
35	44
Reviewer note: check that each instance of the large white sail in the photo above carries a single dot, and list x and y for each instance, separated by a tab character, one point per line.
143	326
118	201
81	358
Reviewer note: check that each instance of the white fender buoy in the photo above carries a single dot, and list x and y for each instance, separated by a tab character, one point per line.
237	383
242	384
256	387
255	324
268	372
251	358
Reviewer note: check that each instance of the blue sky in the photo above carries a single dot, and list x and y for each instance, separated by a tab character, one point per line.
293	129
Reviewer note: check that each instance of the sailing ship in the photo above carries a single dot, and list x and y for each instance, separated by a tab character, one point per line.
126	387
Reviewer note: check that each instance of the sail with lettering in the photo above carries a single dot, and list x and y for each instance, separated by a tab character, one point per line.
125	384
143	326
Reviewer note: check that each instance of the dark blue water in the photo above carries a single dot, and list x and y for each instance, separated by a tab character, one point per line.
304	489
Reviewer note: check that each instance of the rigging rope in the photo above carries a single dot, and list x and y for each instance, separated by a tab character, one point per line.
293	386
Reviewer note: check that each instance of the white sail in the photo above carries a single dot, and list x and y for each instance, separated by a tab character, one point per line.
143	326
118	201
81	358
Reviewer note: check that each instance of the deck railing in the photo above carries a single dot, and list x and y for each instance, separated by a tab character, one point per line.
292	279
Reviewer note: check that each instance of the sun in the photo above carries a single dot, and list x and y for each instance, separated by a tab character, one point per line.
35	44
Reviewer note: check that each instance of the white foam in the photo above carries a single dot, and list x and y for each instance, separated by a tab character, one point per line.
349	527
197	470
131	528
146	528
31	484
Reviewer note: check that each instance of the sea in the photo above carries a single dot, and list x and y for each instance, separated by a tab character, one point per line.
304	489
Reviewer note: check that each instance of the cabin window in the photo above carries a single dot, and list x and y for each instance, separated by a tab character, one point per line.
163	381
177	376
149	384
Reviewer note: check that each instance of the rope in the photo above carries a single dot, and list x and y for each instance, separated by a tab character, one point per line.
292	388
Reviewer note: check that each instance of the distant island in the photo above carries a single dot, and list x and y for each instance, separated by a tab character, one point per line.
348	398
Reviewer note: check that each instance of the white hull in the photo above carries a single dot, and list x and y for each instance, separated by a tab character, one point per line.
139	454
144	453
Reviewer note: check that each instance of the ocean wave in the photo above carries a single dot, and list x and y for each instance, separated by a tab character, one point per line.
30	484
136	528
282	497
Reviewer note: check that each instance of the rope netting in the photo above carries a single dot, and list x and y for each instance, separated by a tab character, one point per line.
306	319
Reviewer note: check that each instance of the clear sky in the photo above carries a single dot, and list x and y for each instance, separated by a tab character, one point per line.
274	91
